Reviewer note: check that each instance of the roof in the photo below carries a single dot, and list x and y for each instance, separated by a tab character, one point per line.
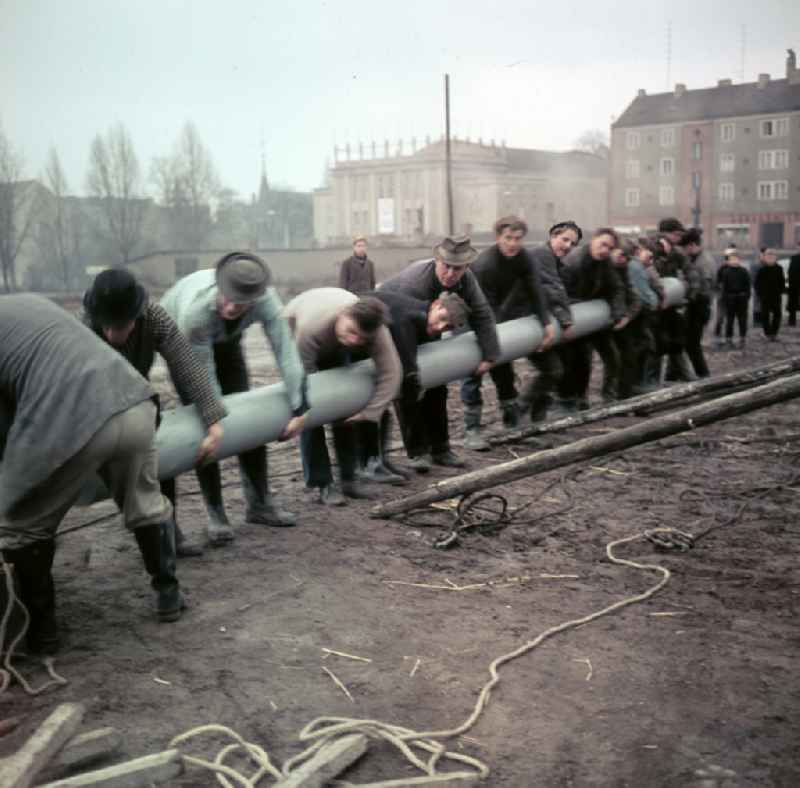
723	101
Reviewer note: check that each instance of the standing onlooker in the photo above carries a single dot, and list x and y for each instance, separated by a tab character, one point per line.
755	266
357	272
736	287
719	302
700	272
769	286
794	288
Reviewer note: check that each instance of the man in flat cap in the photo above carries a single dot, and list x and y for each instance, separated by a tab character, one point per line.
72	407
118	310
214	308
426	280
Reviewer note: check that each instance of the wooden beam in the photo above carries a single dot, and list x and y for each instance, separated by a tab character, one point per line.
20	769
157	768
323	766
87	746
644	432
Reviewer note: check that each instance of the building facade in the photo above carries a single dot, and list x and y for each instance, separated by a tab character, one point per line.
725	158
401	196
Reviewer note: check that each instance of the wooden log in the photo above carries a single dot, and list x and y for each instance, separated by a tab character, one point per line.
667	396
87	746
323	766
157	768
20	769
643	432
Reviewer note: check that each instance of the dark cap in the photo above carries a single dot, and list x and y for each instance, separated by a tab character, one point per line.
457	310
671	225
456	250
115	298
242	277
693	236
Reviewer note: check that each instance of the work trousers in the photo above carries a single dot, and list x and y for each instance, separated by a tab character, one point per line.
792	304
633	343
424	423
503	378
123	453
771	316
697	315
736	310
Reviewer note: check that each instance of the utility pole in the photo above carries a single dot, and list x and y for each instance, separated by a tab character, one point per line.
448	163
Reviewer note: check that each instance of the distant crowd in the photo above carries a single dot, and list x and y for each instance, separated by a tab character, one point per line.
76	399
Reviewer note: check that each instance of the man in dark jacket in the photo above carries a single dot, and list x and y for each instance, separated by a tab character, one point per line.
357	272
118	310
499	269
793	302
700	278
78	409
426	280
589	274
769	286
736	287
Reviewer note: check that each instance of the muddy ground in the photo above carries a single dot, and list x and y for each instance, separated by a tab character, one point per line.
704	674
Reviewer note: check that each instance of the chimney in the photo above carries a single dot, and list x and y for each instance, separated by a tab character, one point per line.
724	83
641	93
792	73
763	81
680	89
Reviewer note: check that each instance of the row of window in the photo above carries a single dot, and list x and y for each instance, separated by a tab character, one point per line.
768	128
767	160
766	190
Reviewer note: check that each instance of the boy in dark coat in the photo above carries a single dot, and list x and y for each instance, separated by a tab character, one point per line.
357	272
735	284
769	286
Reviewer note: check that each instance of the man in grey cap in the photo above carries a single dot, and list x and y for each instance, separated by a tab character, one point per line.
214	308
426	280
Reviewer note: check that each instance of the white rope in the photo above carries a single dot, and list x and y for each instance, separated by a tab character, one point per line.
324	730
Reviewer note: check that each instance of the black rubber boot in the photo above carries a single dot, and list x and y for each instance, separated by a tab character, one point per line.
157	546
219	529
183	548
262	508
33	566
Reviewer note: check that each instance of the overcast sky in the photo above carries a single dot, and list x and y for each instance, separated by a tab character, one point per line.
308	74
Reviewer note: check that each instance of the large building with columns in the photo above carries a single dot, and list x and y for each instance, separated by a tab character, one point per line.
399	195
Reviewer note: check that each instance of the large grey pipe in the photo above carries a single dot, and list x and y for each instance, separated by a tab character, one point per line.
259	416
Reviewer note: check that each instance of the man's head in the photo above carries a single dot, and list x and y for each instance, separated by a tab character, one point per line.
693	241
449	311
732	257
672	229
769	257
603	241
509	232
242	278
452	257
357	324
646	251
360	246
621	254
564	236
114	302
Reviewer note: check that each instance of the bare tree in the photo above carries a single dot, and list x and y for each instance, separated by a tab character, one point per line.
58	234
187	182
593	141
17	210
114	179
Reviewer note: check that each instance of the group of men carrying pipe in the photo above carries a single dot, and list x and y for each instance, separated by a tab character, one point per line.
77	399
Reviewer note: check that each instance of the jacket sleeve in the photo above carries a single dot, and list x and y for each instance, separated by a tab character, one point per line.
481	318
555	292
344	275
389	374
276	329
532	283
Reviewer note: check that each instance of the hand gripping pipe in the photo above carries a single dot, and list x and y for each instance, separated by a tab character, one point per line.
259	416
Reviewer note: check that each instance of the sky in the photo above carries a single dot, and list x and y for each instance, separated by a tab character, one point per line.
305	75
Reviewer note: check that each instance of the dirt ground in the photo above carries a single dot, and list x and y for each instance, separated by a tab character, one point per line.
704	674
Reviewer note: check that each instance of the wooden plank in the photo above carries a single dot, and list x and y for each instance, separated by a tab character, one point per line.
87	746
20	769
156	768
324	765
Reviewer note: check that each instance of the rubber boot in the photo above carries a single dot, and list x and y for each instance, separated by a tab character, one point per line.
384	443
473	437
261	506
510	411
157	546
183	548
680	367
33	566
219	530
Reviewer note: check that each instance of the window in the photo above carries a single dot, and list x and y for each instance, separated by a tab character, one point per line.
726	192
667	138
773	159
727	162
632	140
667	168
773	190
631	198
728	132
775	127
632	168
666	195
697	150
